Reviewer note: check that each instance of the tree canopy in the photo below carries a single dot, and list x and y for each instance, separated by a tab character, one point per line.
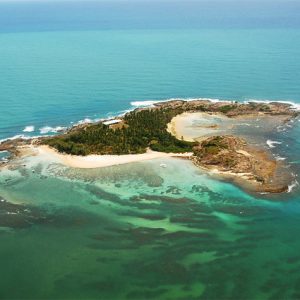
141	129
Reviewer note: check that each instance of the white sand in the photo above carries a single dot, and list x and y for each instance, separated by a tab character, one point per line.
100	161
182	126
177	125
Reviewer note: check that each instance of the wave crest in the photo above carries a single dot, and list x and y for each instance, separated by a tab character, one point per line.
294	106
29	128
147	103
48	129
292	186
85	121
272	144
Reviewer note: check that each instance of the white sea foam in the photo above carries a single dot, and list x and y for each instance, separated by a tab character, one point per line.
292	186
85	121
29	128
15	137
45	129
4	159
272	144
48	129
214	100
295	106
21	136
279	158
135	104
147	103
144	103
281	128
124	112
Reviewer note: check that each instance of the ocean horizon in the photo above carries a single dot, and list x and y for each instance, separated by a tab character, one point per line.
157	229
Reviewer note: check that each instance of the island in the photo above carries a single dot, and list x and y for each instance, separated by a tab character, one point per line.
161	130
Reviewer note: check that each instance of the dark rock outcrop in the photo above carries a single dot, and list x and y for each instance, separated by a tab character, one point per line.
232	156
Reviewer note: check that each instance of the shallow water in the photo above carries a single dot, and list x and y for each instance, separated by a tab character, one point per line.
139	231
258	131
3	155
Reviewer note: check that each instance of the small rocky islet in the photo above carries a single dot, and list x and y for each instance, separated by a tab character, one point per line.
228	156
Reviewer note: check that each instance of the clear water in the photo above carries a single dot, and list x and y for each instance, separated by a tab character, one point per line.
3	155
140	231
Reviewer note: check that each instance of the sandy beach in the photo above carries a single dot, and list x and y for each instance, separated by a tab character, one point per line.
182	126
223	147
195	126
99	161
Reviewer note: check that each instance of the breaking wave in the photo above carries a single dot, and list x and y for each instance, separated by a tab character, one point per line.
29	128
295	106
147	103
292	186
272	144
21	136
85	121
143	103
136	104
279	158
15	137
48	129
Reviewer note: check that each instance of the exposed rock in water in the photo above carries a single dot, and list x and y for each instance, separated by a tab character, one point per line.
9	145
12	146
230	155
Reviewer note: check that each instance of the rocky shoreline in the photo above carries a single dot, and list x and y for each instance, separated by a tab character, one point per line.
224	155
230	108
232	157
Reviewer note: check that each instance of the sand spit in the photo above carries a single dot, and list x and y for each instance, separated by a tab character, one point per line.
100	161
214	126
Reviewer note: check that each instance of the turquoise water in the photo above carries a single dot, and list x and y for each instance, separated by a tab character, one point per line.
54	78
139	231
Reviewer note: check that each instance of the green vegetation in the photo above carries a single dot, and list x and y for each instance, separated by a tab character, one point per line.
212	146
217	141
226	108
141	129
264	108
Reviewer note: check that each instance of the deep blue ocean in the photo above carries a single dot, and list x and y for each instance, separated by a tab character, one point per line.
138	231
